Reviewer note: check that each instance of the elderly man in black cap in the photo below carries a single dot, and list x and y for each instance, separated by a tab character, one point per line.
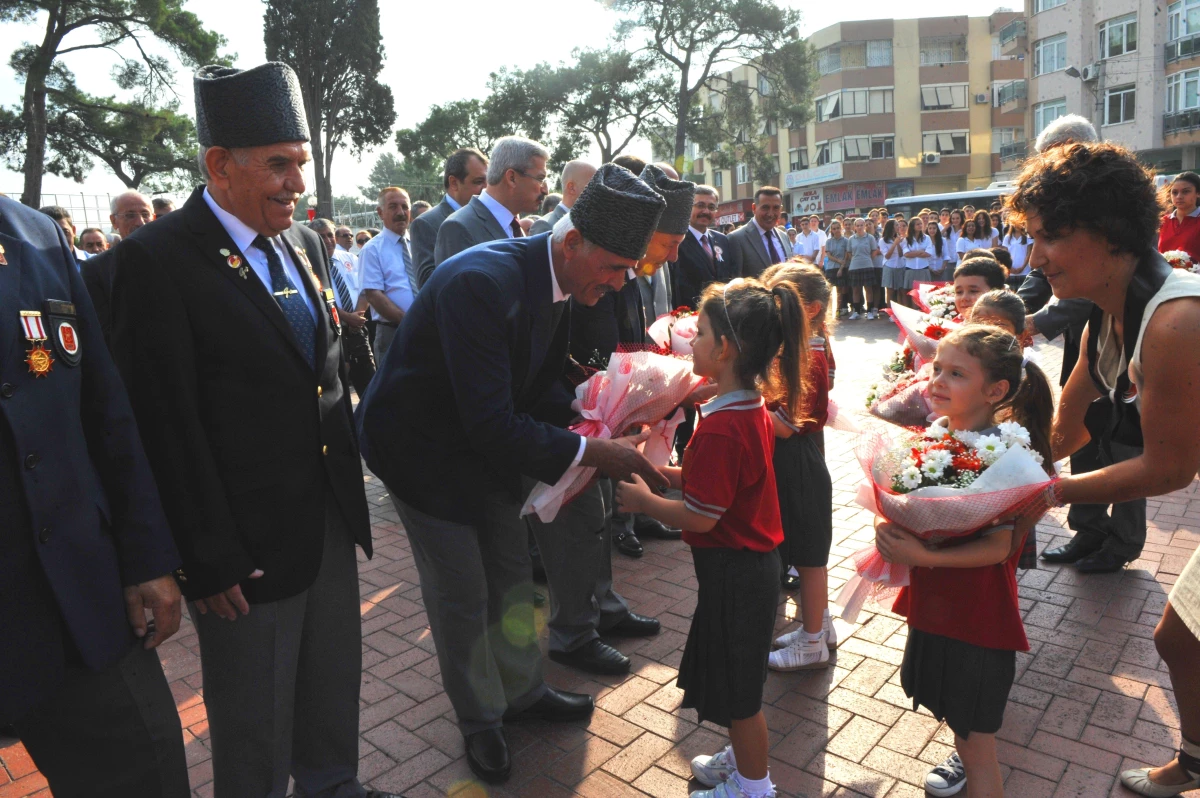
476	400
226	332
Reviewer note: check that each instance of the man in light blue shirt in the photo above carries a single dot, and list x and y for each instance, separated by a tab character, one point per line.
386	269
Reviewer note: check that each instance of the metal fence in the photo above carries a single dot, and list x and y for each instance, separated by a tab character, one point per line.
89	210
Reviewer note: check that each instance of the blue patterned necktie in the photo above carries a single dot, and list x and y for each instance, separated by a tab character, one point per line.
291	302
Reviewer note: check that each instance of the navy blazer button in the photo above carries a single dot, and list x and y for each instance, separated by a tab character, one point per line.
44	535
320	391
324	450
31	460
6	390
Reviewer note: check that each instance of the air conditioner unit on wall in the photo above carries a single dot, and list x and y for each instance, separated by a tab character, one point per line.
1089	72
981	99
931	157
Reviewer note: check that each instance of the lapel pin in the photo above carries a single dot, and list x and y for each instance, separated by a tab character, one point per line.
224	252
233	260
242	272
3	262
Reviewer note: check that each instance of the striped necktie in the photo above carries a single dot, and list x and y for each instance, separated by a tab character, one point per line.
339	284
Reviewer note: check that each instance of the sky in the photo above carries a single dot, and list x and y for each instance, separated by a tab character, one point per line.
416	62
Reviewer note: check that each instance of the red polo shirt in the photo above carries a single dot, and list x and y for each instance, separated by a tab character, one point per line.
728	475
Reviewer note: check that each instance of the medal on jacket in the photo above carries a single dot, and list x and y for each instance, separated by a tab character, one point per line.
3	262
335	320
39	360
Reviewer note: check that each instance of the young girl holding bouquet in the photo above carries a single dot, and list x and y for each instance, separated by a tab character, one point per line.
752	341
804	486
961	603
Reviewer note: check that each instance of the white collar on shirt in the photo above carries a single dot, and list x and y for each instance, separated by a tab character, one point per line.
243	237
453	203
699	235
556	294
1196	212
503	215
734	400
761	231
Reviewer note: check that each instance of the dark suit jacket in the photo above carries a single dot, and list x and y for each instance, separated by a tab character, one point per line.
453	416
423	234
618	318
79	513
471	224
546	223
246	440
695	269
1067	318
753	251
98	277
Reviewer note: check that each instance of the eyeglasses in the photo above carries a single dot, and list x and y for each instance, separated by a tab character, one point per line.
130	216
523	173
705	206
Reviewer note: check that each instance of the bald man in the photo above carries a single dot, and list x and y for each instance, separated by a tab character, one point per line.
575	176
127	212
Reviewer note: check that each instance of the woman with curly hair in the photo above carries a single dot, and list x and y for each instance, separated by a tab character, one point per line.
1093	215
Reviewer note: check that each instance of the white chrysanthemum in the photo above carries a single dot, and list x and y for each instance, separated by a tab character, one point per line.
989	448
966	436
908	463
940	458
1014	434
1037	457
932	470
910	478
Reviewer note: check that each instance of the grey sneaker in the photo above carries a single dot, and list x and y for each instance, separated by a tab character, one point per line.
948	778
713	770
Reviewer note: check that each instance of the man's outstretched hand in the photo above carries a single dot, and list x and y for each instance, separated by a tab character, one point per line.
619	459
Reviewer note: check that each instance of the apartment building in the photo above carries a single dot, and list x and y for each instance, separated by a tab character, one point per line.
901	108
1129	68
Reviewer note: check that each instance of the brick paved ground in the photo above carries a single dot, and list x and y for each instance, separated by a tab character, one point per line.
1091	698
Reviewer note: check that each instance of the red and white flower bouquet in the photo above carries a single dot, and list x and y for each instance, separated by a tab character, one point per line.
935	299
674	331
1181	260
637	388
921	331
902	398
939	485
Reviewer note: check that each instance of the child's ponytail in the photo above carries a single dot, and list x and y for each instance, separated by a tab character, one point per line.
1032	406
793	355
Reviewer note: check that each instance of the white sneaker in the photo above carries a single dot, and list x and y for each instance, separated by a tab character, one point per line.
800	656
871	315
791	638
713	770
731	788
853	315
948	778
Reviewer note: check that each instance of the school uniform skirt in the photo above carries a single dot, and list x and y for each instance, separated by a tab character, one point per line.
724	662
862	278
893	278
805	502
834	279
963	684
916	276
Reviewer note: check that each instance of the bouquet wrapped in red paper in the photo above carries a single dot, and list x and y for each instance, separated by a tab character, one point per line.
939	485
902	398
674	331
935	299
636	388
921	331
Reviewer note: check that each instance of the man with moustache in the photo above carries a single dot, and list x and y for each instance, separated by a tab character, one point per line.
387	270
128	212
759	242
225	333
470	402
516	185
705	255
464	177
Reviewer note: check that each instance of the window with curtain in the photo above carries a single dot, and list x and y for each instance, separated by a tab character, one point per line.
1050	54
942	98
1118	104
1118	36
948	142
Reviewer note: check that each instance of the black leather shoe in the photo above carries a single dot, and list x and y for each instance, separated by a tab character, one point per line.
634	625
555	706
487	754
1072	551
594	656
789	582
628	544
1101	562
649	528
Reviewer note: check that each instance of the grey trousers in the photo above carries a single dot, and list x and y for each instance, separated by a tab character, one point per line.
110	734
281	684
577	554
1123	532
384	333
476	582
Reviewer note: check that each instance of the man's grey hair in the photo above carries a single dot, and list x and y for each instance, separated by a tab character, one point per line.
709	191
1065	130
112	206
316	225
513	152
238	156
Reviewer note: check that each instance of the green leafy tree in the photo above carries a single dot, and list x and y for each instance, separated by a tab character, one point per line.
124	27
462	123
336	49
391	171
695	40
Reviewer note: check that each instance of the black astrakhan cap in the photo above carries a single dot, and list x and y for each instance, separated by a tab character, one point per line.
678	194
249	108
617	212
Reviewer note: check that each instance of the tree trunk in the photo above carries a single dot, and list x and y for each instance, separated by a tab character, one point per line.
682	112
33	114
322	161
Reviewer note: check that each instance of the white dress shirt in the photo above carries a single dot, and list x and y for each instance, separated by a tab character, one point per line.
556	296
382	267
780	250
453	203
243	238
503	215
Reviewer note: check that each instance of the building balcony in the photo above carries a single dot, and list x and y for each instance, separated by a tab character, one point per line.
1013	39
1181	122
1012	96
1184	47
1013	152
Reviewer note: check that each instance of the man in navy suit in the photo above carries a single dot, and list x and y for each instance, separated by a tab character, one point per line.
472	401
705	255
84	545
